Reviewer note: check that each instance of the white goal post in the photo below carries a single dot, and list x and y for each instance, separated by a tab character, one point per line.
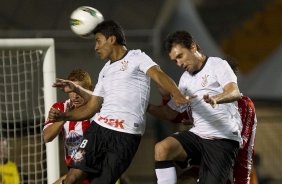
13	53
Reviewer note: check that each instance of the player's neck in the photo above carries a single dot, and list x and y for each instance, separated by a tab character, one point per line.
202	59
118	53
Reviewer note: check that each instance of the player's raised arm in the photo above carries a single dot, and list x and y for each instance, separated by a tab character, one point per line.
86	111
165	82
69	86
52	131
230	93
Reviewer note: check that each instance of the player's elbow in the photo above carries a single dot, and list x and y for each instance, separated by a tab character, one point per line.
237	95
231	92
168	114
47	138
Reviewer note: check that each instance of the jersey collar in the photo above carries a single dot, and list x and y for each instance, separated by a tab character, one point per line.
120	58
204	63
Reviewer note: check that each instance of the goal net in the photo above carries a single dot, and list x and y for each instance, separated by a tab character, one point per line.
27	71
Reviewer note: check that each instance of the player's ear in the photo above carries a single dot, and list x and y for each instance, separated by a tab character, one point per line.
112	39
193	47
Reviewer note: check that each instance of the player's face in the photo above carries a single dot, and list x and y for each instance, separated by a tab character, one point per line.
184	58
103	46
75	99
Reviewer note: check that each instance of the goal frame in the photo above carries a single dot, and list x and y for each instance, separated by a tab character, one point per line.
50	95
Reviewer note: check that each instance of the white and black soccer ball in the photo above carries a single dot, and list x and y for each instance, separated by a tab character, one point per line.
84	19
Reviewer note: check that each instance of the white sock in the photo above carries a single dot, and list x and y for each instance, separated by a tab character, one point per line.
166	175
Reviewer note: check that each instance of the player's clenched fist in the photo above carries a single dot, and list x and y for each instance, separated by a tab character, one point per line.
210	100
56	115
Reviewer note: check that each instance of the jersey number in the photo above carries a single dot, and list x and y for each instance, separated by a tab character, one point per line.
83	143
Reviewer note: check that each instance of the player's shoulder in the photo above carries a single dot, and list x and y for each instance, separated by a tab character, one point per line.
136	53
61	105
105	67
216	65
215	61
185	75
61	102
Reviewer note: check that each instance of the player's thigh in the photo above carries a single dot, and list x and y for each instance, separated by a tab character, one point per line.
218	157
75	175
169	149
190	145
113	168
121	149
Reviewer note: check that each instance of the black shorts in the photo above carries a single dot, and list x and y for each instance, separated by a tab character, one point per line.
104	154
215	157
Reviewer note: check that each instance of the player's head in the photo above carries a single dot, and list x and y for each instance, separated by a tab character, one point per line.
107	35
82	78
182	49
182	38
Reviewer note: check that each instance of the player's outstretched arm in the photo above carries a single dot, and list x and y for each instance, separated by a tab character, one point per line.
52	131
84	112
230	93
164	93
166	83
162	112
68	86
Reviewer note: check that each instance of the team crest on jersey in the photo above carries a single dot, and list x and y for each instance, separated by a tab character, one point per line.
79	155
73	141
204	80
124	65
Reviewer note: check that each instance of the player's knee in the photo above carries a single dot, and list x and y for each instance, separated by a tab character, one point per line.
161	151
72	178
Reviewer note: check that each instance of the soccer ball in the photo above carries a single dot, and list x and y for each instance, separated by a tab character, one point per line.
84	19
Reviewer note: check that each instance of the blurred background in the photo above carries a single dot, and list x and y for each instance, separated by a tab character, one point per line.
247	31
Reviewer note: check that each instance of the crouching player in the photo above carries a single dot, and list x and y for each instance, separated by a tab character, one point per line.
72	131
243	172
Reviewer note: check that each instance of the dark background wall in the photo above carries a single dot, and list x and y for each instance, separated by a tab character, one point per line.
249	31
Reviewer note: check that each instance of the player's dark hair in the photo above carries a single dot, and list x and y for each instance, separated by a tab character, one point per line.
179	37
111	28
233	64
81	76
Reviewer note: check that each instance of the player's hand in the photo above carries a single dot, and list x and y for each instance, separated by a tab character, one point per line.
69	107
56	115
65	85
209	99
182	100
187	122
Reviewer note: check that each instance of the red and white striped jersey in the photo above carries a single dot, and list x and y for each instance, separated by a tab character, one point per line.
244	160
72	131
